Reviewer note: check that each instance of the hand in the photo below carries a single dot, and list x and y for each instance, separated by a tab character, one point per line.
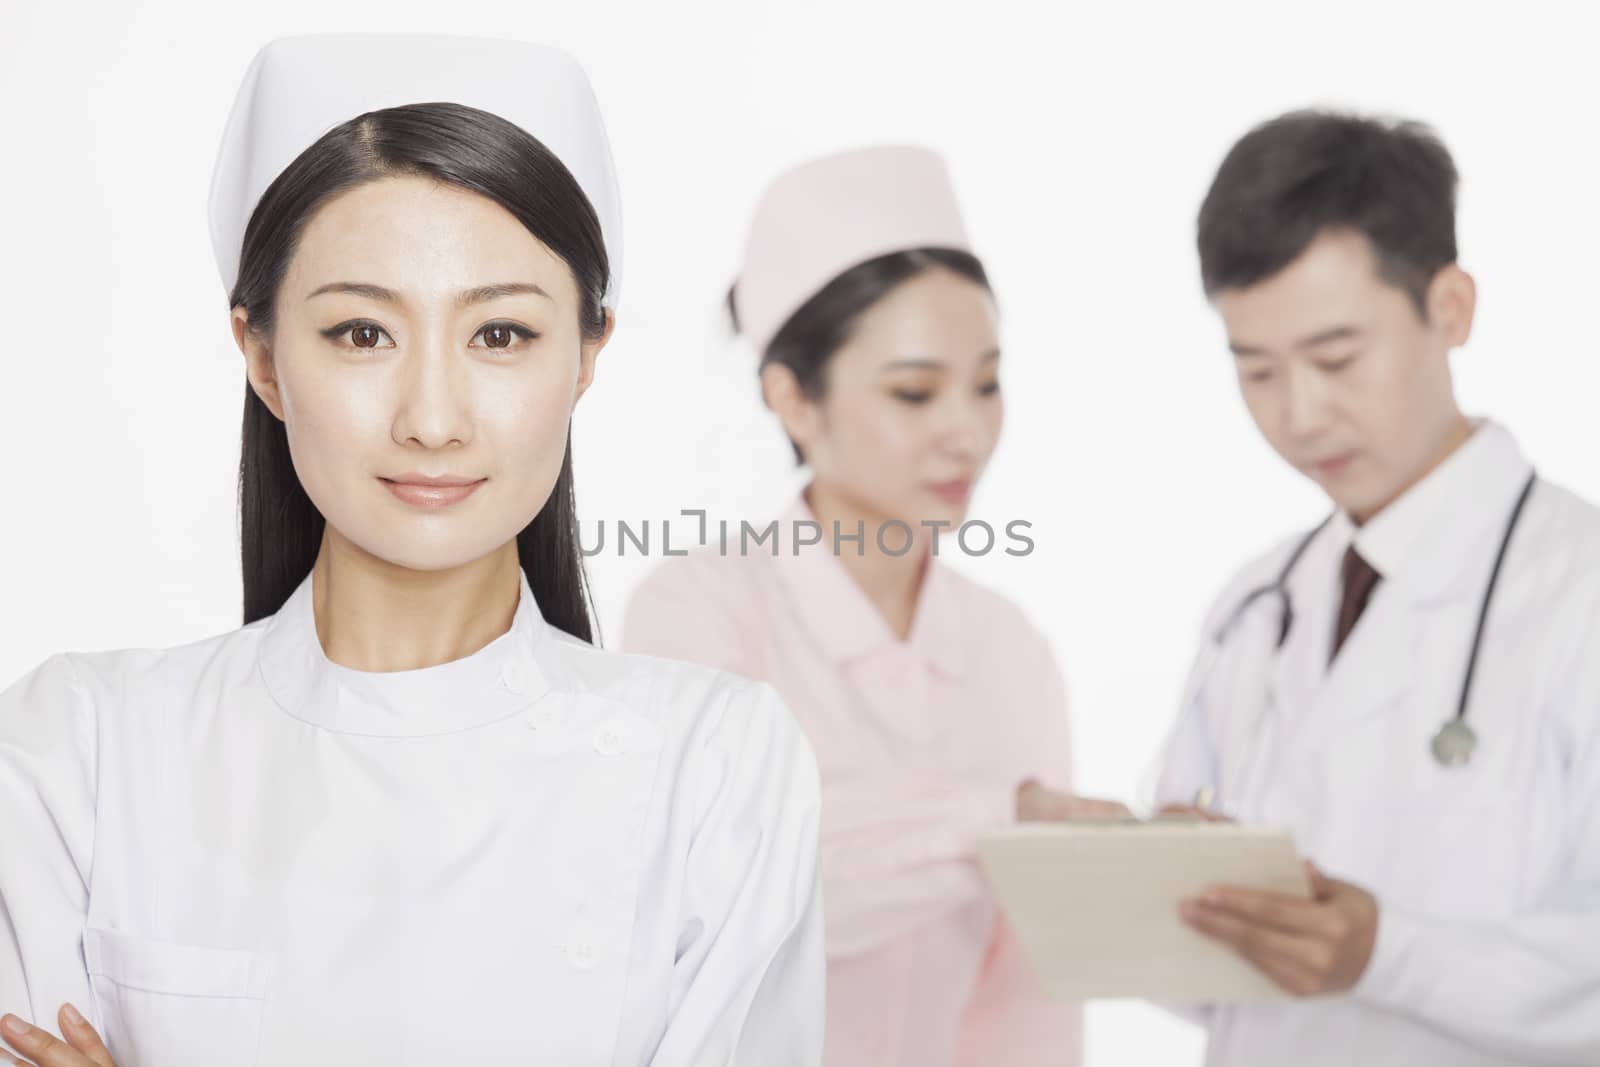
1192	812
1321	945
1035	803
83	1047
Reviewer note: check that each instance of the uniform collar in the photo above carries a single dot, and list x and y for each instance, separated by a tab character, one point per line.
843	620
495	682
1424	540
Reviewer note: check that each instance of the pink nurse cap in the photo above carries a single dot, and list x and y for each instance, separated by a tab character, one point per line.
830	214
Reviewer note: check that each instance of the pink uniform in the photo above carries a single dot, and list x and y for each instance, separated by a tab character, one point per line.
921	744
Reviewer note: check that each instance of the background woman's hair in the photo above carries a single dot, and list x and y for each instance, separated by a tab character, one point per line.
280	528
807	340
1295	176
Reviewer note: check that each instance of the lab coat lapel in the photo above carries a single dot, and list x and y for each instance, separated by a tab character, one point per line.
1428	545
1373	674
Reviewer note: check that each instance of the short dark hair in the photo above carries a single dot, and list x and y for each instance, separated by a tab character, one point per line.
1293	177
807	340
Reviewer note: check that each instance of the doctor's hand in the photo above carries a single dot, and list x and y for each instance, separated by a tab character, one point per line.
1036	803
1307	947
83	1047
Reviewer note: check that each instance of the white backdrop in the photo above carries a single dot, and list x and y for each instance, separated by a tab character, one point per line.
1081	141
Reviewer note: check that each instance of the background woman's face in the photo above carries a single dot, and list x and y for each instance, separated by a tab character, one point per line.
423	333
911	410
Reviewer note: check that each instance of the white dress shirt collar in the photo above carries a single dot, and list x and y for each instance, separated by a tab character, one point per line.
1424	539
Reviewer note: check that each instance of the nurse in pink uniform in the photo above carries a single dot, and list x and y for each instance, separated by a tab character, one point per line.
935	708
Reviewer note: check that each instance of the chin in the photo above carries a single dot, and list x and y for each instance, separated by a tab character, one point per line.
1355	504
939	510
429	550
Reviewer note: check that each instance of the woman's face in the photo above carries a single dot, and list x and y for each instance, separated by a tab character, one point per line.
911	407
425	361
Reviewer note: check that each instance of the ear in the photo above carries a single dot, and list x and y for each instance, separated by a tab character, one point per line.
800	415
1452	300
591	352
259	368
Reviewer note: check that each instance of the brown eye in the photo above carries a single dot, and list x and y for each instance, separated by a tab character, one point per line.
358	333
503	335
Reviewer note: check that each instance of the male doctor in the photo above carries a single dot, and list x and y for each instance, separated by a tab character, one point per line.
1448	801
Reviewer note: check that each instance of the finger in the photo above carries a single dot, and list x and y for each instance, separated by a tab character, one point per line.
1187	811
11	1061
1292	915
1059	806
81	1035
43	1047
1322	887
15	1033
1277	955
1179	813
1098	809
1262	944
1291	977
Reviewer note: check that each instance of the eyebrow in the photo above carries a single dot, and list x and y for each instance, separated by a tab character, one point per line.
924	363
466	297
1333	333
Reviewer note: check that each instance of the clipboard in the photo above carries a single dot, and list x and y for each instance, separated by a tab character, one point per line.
1095	904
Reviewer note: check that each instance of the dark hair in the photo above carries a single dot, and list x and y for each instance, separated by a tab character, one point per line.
280	528
820	327
1293	177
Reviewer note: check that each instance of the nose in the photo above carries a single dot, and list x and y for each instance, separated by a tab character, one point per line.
964	429
1307	407
432	408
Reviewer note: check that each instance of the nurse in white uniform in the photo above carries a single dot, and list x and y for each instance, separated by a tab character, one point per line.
408	814
1413	688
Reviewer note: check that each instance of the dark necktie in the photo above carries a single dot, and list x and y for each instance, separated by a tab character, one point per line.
1359	579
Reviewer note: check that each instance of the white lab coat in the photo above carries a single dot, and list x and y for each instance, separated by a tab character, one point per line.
1487	875
237	852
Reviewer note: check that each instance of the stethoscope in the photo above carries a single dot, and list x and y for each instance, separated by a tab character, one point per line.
1455	742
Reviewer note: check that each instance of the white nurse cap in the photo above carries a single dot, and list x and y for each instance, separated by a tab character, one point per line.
298	88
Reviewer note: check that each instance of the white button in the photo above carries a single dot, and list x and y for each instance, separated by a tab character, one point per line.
611	739
581	955
513	677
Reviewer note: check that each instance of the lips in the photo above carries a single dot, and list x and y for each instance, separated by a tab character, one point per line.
431	491
954	491
1333	466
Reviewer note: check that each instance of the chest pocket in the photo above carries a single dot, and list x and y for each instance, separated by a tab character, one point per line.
1459	836
160	1004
